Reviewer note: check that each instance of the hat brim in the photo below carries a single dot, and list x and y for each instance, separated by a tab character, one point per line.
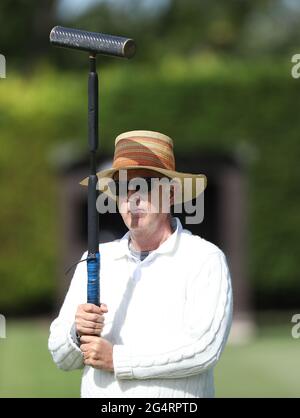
192	185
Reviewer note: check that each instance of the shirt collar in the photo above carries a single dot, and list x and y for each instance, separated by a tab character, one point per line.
166	247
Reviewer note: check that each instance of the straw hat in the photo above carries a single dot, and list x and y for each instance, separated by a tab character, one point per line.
153	151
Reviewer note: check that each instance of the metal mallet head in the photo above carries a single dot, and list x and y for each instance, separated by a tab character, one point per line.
93	42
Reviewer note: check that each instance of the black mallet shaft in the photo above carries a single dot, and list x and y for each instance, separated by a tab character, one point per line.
94	43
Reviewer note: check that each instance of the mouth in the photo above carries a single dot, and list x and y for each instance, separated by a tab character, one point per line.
137	212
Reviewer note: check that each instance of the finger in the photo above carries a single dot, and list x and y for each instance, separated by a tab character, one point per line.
90	324
88	362
88	307
86	359
103	307
89	332
91	317
85	348
89	352
91	308
89	339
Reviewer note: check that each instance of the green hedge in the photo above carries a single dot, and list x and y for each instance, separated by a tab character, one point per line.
205	103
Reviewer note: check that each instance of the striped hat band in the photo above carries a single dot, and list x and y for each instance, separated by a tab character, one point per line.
144	148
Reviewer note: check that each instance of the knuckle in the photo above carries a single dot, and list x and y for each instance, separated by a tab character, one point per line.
78	326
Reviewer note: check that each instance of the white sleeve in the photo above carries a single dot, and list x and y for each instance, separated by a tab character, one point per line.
65	352
207	320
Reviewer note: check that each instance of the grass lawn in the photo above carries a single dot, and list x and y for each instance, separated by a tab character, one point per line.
267	367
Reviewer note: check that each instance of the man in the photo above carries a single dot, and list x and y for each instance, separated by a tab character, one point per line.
167	292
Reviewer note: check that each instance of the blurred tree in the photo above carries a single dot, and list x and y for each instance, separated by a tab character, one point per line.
176	27
25	27
240	27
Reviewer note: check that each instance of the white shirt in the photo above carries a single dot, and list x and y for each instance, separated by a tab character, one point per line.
168	317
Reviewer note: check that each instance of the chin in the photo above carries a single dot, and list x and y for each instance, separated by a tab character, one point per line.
138	221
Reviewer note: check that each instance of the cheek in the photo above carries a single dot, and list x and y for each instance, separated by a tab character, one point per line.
123	210
123	206
157	202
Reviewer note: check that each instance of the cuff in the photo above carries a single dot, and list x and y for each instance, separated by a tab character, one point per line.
73	339
122	362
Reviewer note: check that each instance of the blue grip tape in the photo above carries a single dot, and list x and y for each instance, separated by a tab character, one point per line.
93	287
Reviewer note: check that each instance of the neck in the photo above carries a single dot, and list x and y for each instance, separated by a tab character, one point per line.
149	240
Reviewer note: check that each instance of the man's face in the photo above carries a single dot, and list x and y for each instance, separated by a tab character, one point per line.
144	210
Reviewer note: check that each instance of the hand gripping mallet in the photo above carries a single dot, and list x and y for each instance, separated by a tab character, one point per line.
94	43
